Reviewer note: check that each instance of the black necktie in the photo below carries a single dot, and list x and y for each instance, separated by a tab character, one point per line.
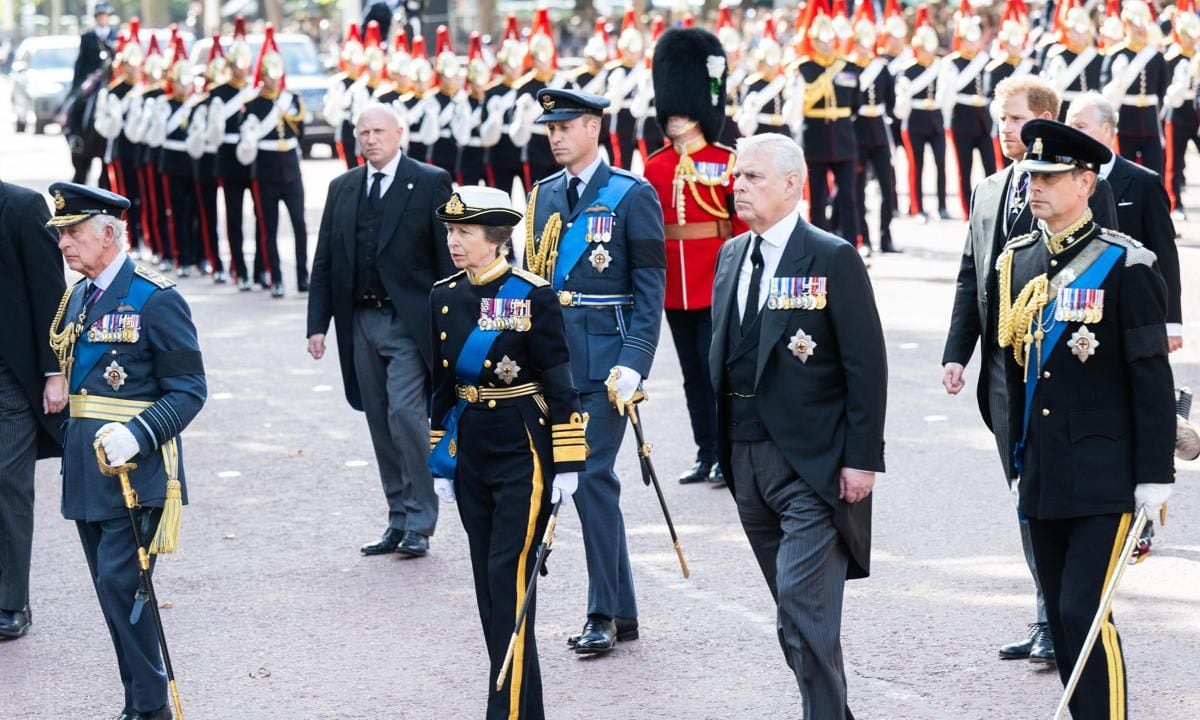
756	259
374	196
90	295
573	193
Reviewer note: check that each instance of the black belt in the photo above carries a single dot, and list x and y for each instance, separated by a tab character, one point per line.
372	302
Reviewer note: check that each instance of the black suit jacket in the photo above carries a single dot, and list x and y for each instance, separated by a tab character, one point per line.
412	256
93	51
970	320
827	413
33	285
1144	214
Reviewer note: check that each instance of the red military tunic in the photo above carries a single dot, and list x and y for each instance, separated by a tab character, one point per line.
697	217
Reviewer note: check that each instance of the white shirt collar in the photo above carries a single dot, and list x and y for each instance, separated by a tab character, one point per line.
779	233
1107	167
108	274
388	170
586	174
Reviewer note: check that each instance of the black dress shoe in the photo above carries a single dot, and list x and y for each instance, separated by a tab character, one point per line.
413	545
277	290
244	285
163	713
943	213
15	623
716	478
627	631
302	283
599	636
1020	650
386	543
1042	650
219	277
698	473
264	280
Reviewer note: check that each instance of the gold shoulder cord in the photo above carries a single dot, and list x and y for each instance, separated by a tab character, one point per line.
541	256
687	175
62	342
1019	324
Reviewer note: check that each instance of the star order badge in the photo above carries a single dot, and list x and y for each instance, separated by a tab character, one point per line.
1083	343
600	258
115	375
507	370
802	345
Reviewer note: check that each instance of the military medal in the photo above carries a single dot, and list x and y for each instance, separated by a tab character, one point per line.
600	258
797	293
1083	343
115	375
505	314
599	228
802	345
507	370
1079	305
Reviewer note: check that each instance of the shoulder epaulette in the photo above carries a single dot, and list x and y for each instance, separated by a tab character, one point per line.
626	173
1021	241
551	176
1135	252
445	280
724	147
531	278
153	276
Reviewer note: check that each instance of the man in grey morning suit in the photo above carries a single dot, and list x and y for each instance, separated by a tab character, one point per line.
379	251
800	370
32	392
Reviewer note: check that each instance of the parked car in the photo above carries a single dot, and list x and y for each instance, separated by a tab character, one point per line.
41	78
306	76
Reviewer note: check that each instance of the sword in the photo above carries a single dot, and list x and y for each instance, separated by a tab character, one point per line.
543	551
143	559
1131	539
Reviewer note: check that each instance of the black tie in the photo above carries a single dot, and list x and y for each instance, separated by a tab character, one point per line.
90	296
756	259
374	196
573	193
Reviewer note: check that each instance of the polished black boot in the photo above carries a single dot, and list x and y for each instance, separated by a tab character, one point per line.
698	473
15	623
387	543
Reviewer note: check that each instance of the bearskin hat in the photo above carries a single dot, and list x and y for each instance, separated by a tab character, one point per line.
689	79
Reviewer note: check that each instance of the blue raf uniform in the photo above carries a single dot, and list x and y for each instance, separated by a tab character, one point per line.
610	276
128	347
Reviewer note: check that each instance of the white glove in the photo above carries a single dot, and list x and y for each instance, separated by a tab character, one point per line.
119	444
1151	496
247	147
444	489
564	487
626	382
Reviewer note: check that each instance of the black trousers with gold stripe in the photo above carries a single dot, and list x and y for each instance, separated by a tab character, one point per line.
1075	558
503	496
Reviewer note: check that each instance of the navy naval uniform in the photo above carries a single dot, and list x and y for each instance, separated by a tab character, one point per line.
277	178
1095	392
137	361
506	400
612	294
234	177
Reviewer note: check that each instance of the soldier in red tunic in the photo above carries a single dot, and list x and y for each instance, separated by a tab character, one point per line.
694	180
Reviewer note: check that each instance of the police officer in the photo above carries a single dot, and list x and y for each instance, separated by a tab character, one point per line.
272	125
126	343
1082	312
597	236
694	181
226	102
504	399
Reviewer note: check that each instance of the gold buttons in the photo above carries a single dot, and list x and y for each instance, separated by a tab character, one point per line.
453	284
445	363
114	352
541	421
1046	375
83	391
445	309
491	403
487	363
1045	412
443	335
1053	263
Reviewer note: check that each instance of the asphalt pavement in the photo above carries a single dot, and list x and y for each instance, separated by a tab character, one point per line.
272	613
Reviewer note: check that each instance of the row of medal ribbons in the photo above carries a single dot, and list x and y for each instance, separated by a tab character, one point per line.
1079	305
116	327
505	314
599	228
797	293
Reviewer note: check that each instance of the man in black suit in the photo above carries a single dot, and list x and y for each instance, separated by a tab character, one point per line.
32	391
999	212
1143	206
379	251
95	45
796	335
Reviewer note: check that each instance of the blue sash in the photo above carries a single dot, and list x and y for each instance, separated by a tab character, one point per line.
443	461
87	354
573	244
1091	279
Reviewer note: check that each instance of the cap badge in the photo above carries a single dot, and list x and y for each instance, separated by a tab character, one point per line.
59	201
455	205
1037	147
548	102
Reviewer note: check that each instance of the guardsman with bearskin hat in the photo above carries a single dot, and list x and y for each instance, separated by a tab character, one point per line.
694	180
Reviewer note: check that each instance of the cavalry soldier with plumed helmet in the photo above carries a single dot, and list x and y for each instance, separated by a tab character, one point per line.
872	127
1073	65
963	99
920	115
762	93
1134	77
337	108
